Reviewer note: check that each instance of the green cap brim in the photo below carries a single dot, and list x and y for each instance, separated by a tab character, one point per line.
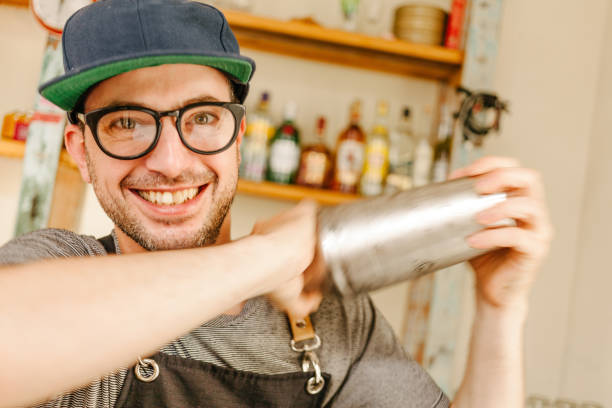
66	90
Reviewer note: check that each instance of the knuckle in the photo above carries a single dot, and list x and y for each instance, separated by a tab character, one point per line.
533	176
504	161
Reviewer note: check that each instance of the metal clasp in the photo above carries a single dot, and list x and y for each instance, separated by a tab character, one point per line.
142	376
315	384
300	346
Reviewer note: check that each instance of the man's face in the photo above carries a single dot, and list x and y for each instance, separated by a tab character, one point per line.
202	186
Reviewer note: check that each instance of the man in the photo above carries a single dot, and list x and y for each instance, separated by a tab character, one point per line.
153	89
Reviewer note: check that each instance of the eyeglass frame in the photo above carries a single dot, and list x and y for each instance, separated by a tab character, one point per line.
92	118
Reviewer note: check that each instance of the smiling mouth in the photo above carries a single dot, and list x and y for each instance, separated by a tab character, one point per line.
168	198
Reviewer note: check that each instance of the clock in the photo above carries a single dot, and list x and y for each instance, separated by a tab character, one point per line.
53	14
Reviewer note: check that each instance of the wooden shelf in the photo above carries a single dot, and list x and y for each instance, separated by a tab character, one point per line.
309	41
16	3
16	149
313	42
293	193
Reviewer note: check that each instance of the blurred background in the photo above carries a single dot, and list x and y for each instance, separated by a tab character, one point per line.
553	67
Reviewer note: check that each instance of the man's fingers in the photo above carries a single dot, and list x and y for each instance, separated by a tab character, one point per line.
304	210
524	209
293	299
524	241
509	179
305	304
484	165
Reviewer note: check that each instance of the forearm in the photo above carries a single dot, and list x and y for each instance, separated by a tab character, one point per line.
65	322
494	371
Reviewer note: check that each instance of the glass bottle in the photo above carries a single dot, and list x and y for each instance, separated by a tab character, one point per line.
442	149
315	163
376	153
423	154
401	155
22	124
349	11
285	149
349	153
254	148
8	125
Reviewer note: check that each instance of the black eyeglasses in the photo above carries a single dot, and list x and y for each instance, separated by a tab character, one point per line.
131	132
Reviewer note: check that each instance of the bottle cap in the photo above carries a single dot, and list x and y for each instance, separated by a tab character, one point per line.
382	108
290	110
355	111
321	123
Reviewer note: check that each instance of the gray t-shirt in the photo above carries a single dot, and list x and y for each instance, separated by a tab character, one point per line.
367	364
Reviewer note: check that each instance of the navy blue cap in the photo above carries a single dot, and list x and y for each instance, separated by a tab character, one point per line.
110	37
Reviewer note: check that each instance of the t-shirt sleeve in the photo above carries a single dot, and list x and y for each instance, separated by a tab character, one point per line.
384	375
46	244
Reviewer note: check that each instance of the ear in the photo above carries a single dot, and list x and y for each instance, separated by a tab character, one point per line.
75	144
239	139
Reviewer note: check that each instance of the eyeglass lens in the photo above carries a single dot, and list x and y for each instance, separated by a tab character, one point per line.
126	133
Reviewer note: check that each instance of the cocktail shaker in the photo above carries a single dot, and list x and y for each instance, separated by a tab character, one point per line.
372	243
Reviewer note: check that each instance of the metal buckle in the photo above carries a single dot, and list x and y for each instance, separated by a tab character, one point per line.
315	384
144	363
316	343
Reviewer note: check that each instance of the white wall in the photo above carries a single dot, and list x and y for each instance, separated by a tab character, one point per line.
21	46
22	43
589	346
548	67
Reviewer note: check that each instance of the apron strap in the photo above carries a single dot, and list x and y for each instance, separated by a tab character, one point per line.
108	243
306	341
301	328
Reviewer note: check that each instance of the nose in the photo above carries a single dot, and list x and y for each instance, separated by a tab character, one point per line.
170	156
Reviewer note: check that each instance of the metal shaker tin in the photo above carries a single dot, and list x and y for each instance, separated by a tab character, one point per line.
369	244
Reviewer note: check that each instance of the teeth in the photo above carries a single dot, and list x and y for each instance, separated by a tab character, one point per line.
168	198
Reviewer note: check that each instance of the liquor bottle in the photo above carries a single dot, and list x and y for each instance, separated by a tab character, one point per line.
8	125
401	155
422	162
349	153
442	149
22	125
254	148
376	153
285	149
315	163
423	153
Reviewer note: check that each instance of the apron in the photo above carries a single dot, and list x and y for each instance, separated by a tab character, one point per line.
190	383
184	383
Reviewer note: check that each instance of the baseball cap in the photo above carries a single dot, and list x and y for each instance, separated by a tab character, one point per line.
110	37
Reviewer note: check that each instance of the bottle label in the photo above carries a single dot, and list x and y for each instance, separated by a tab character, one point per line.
349	162
284	157
440	171
314	168
259	129
254	157
377	154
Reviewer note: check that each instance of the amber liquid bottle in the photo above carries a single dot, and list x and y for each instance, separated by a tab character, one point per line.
315	163
350	151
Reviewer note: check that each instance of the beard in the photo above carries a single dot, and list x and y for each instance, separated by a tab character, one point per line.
125	219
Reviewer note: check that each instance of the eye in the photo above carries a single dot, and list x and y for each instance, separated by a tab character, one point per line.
124	123
203	118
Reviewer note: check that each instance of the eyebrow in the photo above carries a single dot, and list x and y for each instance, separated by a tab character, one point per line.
203	98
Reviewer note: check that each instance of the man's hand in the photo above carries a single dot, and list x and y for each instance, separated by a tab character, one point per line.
494	370
505	275
292	235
